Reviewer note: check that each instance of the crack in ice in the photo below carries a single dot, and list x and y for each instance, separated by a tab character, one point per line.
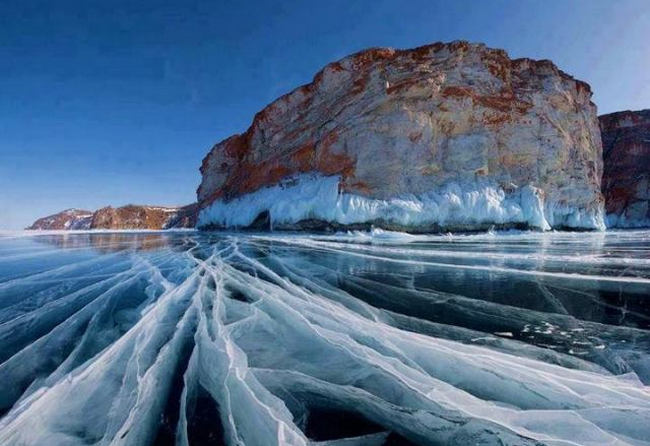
274	330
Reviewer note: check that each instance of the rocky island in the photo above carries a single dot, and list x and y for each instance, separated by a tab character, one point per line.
448	136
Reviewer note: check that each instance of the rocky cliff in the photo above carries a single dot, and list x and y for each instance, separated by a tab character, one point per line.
137	217
446	136
68	219
626	177
125	217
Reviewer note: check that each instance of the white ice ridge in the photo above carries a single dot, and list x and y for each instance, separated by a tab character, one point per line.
453	205
100	350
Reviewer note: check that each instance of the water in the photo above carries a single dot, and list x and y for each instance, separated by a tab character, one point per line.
383	338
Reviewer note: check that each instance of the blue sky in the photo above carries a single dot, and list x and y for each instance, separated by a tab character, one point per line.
116	102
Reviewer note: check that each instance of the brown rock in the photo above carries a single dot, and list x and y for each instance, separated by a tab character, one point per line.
140	217
125	217
626	176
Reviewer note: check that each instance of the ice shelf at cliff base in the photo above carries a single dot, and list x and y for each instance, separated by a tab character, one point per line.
454	206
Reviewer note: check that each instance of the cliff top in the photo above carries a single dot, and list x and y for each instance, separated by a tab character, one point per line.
497	60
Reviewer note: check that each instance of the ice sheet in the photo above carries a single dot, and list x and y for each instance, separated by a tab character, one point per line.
263	339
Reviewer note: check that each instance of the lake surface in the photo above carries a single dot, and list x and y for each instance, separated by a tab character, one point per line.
188	338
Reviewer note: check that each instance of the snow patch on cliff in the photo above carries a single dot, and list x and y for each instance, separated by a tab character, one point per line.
452	205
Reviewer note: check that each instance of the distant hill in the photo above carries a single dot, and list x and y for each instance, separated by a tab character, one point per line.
125	217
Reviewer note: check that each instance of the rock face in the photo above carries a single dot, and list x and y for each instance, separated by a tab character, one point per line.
125	217
446	136
68	219
185	217
137	217
626	176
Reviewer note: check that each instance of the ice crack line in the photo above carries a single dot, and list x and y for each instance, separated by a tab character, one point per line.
250	340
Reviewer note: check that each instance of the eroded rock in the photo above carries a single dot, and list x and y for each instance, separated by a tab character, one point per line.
445	135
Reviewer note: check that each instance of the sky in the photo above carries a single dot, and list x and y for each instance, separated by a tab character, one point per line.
116	102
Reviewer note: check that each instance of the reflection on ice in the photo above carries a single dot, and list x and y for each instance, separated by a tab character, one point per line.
348	339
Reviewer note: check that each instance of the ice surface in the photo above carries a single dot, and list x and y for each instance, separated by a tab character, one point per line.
452	205
377	338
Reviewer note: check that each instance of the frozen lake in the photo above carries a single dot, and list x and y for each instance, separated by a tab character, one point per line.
187	338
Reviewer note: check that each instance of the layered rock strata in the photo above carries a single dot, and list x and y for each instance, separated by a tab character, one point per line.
445	136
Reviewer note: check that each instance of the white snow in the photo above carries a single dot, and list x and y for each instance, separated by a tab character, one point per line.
452	205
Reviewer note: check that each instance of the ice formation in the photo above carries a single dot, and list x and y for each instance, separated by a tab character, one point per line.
455	205
350	339
621	221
